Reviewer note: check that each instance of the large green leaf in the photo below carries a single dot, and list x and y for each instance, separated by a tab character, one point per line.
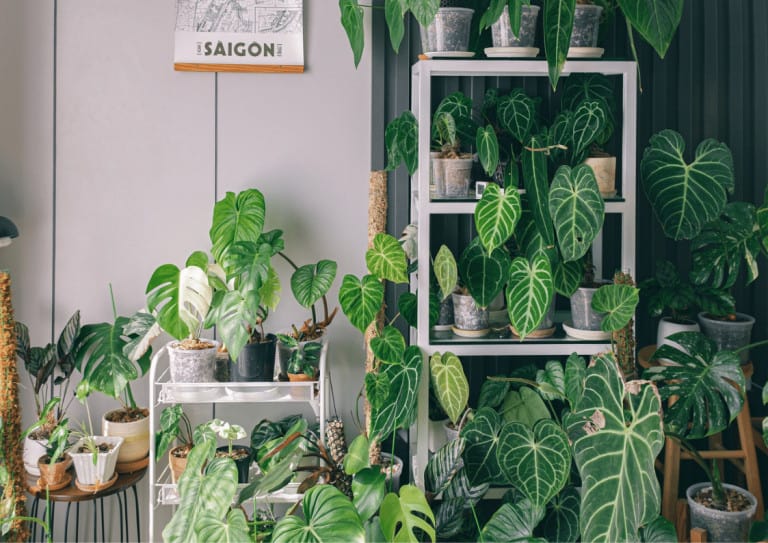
575	375
368	491
389	346
401	139
236	218
551	381
328	516
524	406
577	210
352	21
406	517
142	328
492	393
487	148
459	107
618	302
513	523
589	121
709	385
662	531
357	455
461	488
686	196
496	216
450	384
311	282
361	299
423	10
762	221
517	114
446	271
484	273
492	14
616	431
529	293
394	11
234	315
482	440
536	461
180	298
232	529
399	408
567	276
444	465
561	522
536	185
558	24
387	260
655	20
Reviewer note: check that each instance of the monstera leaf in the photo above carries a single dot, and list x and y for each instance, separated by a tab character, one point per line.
311	282
709	385
496	215
236	218
577	210
399	408
513	523
482	440
180	299
724	244
561	522
446	271
536	461
401	139
685	196
328	516
618	302
484	273
389	346
616	431
387	260
443	466
558	24
405	517
656	21
536	184
529	293
450	384
517	114
361	299
487	148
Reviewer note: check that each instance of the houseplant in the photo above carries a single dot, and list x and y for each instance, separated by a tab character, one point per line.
451	390
94	457
174	425
304	360
448	32
54	463
240	454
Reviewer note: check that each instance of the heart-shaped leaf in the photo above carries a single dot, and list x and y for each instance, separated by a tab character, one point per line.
551	381
387	260
517	114
328	516
618	302
407	305
709	385
536	185
524	406
484	273
529	293
496	216
232	529
561	522
589	121
450	384
458	107
238	218
180	299
663	531
685	196
492	393
234	314
577	210
567	276
368	489
446	271
401	140
443	466
656	21
558	24
361	300
389	346
404	517
311	282
620	491
394	11
487	148
352	22
514	522
399	408
482	438
537	462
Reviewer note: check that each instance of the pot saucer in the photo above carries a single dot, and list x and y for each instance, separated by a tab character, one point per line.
130	467
450	54
64	483
470	333
585	52
97	487
591	335
511	52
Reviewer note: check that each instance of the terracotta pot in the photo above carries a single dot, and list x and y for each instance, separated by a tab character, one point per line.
604	168
53	474
177	464
301	377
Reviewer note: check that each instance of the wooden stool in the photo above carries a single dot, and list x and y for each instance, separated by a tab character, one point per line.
744	458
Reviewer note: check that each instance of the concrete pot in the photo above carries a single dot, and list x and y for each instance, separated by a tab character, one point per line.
582	314
502	34
466	314
586	24
192	366
135	437
448	31
393	473
452	177
727	334
721	525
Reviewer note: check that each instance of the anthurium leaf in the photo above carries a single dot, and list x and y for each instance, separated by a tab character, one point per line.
237	218
461	488
446	271
721	247
524	406
352	22
517	114
492	393
496	216
575	374
762	221
368	491
482	439
589	121
233	528
487	148
655	20
577	210
400	137
399	408
407	305
551	381
458	107
423	10
484	273
514	523
394	11
536	461
561	522
686	196
361	299
536	185
662	531
443	466
616	431
404	517
328	516
311	282
567	276
492	14
387	260
618	302
357	455
377	388
529	293
558	24
709	385
389	346
450	384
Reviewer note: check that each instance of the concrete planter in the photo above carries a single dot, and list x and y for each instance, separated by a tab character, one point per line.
448	32
728	334
721	525
502	34
192	366
452	177
584	317
586	24
467	316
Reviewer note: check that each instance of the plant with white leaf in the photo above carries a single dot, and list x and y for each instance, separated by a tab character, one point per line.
225	430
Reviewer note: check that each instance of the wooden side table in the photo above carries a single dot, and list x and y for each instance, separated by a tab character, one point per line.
73	495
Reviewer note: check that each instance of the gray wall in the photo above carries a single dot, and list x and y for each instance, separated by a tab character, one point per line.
110	163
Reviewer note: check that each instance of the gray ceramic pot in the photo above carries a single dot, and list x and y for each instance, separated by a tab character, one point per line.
727	334
501	30
721	525
448	31
466	314
192	366
584	317
586	24
452	176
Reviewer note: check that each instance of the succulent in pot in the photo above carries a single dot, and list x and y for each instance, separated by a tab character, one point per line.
174	426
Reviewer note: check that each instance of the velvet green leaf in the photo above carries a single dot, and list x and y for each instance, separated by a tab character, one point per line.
529	293
484	273
524	406
686	196
561	522
311	282
618	302
407	305
377	387
551	381
577	210
655	20
458	106
352	21
236	217
399	408
368	491
558	24
405	517
443	466
389	346
328	516
361	300
487	148
517	114
394	11
536	183
567	276
232	529
589	121
234	315
514	523
762	221
401	140
662	531
575	374
709	385
423	10
492	393
616	432
450	384
482	439
387	260
446	271
496	216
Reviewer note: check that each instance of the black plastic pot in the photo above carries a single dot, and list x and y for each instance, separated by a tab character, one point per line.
256	362
243	464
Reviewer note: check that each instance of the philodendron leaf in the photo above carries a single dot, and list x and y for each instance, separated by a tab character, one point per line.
561	522
443	466
492	393
484	273
663	531
496	216
450	384
577	210
558	24
482	439
685	196
529	293
589	121
762	221
368	488
237	218
551	381
180	298
492	14
361	300
405	517
387	260
513	523
446	271
618	302
536	185
487	148
394	11
567	277
616	431
575	375
517	114
423	10
352	21
311	282
407	305
401	139
399	408
538	461
524	406
234	528
389	346
328	516
655	21
709	385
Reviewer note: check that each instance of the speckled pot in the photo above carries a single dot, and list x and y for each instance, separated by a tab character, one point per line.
729	335
586	24
466	314
192	366
584	317
445	317
501	30
448	31
721	525
452	177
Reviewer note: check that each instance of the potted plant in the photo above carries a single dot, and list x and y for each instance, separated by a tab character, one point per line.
54	463
448	32
94	457
511	29
451	389
49	370
304	360
241	454
174	425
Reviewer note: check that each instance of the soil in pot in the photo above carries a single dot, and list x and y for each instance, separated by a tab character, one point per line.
102	448
132	424
52	475
127	414
729	525
242	457
256	362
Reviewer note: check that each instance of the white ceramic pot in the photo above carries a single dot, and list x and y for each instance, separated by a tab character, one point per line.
666	328
89	473
33	450
135	438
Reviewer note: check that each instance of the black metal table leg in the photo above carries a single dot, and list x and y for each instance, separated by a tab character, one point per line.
77	522
66	522
120	508
103	538
33	512
138	518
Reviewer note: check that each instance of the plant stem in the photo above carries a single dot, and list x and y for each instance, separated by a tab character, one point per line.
129	396
477	524
114	307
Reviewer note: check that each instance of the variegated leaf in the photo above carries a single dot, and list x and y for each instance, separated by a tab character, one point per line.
618	302
361	299
482	440
387	260
461	488
558	24
443	466
450	384
517	114
529	293
446	271
496	216
484	273
487	148
575	374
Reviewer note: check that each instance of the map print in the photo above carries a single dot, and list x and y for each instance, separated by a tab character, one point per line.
239	16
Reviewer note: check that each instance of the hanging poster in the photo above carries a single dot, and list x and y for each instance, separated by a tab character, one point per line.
239	36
